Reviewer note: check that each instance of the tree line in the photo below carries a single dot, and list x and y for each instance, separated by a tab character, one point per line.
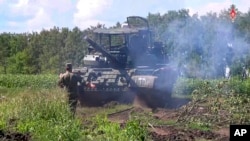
204	45
44	52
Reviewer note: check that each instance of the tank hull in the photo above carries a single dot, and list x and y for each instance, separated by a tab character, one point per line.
100	97
152	89
145	97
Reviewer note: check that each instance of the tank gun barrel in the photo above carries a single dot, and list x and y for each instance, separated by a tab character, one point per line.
103	51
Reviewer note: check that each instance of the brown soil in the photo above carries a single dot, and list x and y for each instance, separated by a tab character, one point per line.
223	131
121	116
173	134
170	132
11	136
166	114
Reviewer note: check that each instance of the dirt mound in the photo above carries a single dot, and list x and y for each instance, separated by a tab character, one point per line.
14	136
121	116
124	115
176	102
165	114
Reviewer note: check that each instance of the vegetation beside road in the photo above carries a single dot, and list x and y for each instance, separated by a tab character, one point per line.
44	81
43	113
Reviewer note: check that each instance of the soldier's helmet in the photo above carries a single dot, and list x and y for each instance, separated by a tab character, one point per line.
68	66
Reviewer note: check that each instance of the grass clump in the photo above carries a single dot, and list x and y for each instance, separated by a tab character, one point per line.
240	86
103	129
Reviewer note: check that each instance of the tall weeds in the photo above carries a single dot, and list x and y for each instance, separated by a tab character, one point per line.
44	114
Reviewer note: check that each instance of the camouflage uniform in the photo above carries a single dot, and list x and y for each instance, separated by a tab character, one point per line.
69	81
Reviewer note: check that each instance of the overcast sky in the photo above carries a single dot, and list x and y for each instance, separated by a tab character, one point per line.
34	15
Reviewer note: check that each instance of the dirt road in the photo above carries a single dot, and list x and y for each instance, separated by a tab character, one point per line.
164	125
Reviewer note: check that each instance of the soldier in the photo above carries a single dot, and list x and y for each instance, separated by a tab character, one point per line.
69	80
244	73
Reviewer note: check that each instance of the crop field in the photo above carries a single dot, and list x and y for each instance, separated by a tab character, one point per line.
33	108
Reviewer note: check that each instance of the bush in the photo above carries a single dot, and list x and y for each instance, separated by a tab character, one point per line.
216	102
240	86
185	86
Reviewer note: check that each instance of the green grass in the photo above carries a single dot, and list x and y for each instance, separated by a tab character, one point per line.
199	126
186	86
44	113
240	86
94	111
102	129
28	81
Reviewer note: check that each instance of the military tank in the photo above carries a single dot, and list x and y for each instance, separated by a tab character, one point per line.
126	62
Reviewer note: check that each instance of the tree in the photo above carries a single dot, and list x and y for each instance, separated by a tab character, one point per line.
4	50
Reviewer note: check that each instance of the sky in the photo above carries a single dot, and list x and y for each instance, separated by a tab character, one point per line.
19	16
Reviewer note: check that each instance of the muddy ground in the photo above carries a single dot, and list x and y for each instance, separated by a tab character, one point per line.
12	136
171	132
164	126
